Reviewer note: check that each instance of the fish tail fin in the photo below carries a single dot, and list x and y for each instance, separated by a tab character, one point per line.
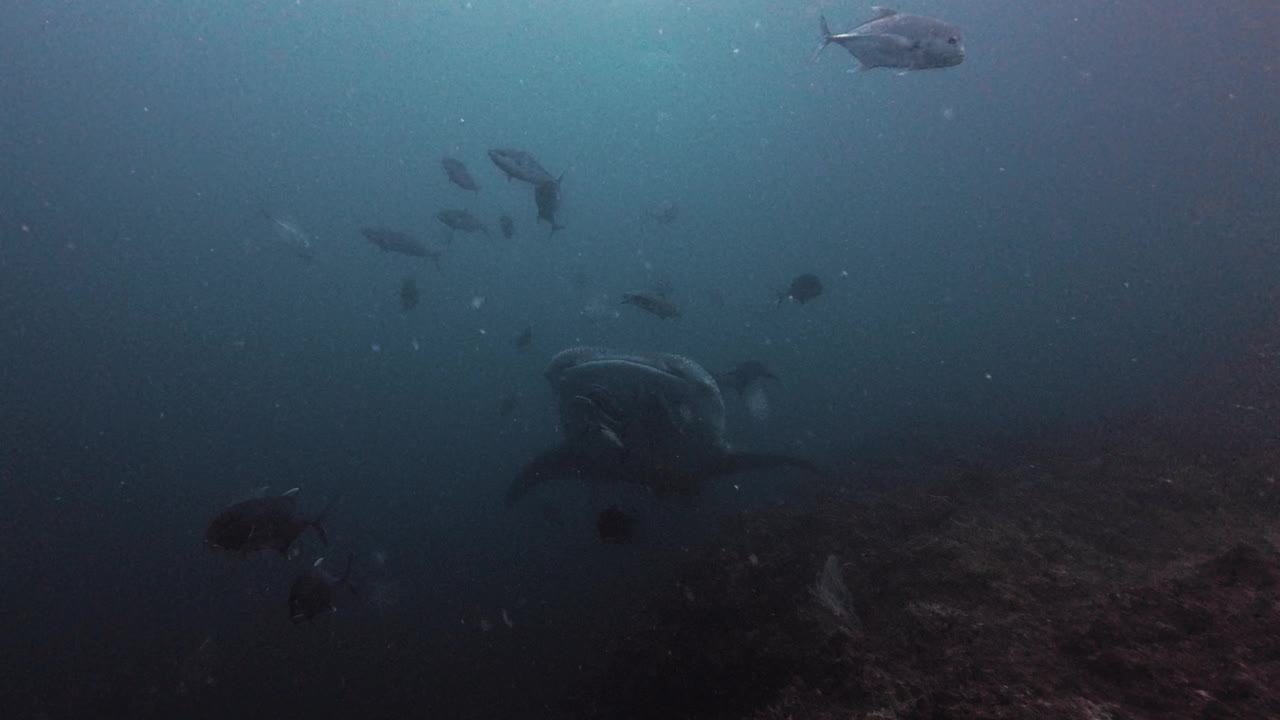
317	523
825	30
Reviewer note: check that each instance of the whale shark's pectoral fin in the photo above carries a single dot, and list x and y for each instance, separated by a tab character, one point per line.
559	461
736	462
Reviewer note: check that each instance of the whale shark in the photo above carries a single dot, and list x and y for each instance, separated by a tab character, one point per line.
652	419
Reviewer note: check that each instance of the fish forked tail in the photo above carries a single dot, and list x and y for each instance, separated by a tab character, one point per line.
317	523
826	37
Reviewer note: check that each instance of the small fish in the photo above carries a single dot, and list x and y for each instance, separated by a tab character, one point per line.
265	523
395	241
408	294
666	212
803	289
291	236
508	226
615	526
462	221
745	374
458	174
653	303
312	592
895	40
547	198
520	165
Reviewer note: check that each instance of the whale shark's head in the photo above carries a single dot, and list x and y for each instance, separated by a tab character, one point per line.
653	419
662	409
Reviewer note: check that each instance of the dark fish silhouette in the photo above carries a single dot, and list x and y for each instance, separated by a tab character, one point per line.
520	165
547	198
615	526
896	40
458	174
745	374
408	294
524	339
803	289
652	302
656	420
462	221
395	241
666	212
312	592
267	523
508	226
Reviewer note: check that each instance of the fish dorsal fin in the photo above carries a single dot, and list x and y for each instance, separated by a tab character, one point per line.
883	12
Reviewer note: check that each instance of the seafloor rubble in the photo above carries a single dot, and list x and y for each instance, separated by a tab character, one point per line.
1126	570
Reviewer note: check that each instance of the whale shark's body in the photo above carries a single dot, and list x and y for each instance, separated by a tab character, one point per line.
650	419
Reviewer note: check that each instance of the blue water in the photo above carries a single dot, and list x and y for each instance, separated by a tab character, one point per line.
1054	231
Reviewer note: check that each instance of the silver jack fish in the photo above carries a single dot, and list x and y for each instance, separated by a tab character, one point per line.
896	40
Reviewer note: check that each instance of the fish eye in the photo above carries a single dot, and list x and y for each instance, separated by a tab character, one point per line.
952	41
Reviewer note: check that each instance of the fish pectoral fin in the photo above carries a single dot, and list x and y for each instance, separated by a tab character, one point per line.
736	462
550	464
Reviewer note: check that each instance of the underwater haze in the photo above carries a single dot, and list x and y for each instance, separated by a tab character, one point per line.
1054	232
